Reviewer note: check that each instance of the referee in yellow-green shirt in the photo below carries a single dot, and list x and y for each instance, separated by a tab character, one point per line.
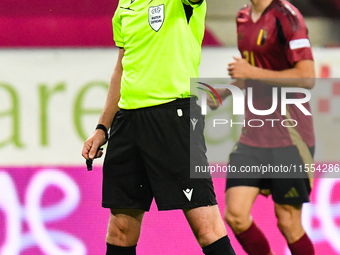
152	140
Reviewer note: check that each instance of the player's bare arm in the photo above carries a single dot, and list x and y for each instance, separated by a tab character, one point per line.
301	75
91	145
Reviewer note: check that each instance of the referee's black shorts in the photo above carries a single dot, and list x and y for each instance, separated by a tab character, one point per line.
148	156
291	188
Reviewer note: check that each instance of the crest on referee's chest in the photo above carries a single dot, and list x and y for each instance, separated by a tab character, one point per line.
156	17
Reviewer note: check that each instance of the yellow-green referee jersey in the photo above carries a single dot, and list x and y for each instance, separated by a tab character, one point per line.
162	41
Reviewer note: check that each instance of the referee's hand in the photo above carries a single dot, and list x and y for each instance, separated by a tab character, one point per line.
92	145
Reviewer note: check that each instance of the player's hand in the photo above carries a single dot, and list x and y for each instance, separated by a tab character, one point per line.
92	145
240	83
222	93
240	68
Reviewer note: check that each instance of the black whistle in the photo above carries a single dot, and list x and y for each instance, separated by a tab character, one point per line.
90	161
89	164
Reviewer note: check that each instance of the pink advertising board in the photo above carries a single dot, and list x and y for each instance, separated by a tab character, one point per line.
57	210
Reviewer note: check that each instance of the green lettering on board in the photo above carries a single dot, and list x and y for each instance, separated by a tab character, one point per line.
80	110
45	94
13	113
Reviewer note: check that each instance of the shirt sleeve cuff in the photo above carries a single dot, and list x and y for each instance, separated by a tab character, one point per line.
119	44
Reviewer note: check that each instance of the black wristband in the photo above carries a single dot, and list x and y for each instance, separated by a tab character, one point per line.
102	127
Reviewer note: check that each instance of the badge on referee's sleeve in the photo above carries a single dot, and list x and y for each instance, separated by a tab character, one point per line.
156	17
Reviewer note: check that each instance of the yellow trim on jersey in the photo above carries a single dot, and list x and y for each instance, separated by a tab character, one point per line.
301	146
259	38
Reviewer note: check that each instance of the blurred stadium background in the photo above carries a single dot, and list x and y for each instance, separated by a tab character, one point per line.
56	59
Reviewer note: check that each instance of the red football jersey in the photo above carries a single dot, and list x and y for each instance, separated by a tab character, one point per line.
275	42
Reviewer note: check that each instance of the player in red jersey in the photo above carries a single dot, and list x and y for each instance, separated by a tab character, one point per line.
273	42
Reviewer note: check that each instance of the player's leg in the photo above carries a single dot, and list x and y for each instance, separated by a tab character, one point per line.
241	192
289	221
290	225
239	201
289	194
208	227
123	231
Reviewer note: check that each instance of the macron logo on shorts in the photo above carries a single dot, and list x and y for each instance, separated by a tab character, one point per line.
193	122
188	193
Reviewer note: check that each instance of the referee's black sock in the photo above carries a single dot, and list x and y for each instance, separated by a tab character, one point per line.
220	247
117	250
